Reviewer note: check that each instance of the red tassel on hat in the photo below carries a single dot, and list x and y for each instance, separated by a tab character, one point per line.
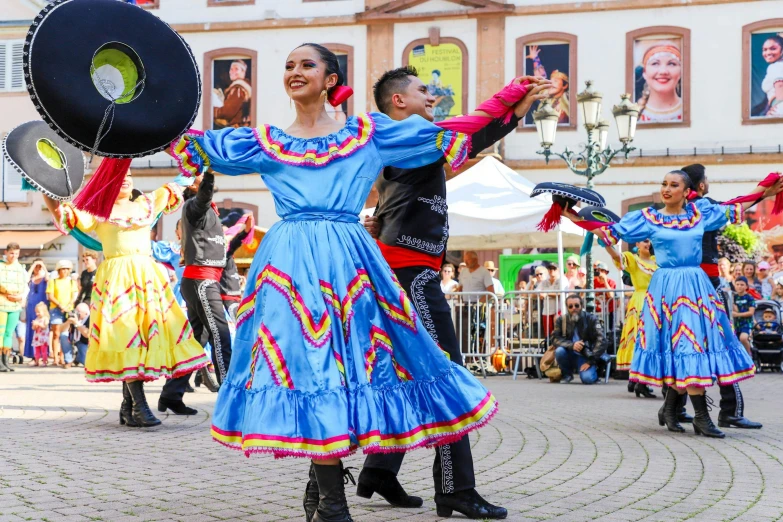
551	218
100	193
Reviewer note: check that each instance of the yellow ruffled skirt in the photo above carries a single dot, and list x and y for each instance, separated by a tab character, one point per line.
630	328
137	329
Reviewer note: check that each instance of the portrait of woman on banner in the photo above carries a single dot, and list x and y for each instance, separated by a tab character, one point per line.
658	71
551	61
766	75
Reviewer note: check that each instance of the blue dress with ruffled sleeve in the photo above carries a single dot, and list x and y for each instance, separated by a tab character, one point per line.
685	337
330	355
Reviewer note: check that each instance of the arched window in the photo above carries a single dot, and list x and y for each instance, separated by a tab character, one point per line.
345	57
442	64
657	75
762	72
230	88
553	56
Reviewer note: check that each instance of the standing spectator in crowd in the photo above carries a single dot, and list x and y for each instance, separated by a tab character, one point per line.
724	272
572	271
474	278
80	332
40	337
20	334
62	292
551	286
461	268
539	274
579	343
13	287
763	275
744	308
87	277
447	281
38	277
497	285
754	285
604	301
777	293
736	270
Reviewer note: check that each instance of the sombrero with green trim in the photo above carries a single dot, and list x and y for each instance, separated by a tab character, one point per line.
45	160
110	77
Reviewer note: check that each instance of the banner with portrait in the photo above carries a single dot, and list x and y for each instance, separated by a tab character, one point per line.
232	92
552	61
440	67
658	78
766	74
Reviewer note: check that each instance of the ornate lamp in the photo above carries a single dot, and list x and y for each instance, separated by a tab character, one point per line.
546	118
589	105
626	114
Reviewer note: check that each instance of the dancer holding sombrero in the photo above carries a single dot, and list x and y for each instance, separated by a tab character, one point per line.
685	337
330	355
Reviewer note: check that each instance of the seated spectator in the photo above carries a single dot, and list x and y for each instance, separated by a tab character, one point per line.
768	325
80	332
579	342
744	308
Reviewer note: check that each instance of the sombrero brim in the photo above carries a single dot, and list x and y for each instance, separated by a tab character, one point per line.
598	214
20	149
571	192
59	51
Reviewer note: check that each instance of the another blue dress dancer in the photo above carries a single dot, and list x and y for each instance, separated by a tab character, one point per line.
330	356
685	338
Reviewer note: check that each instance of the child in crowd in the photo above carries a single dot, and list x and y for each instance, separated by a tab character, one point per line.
62	293
744	307
41	334
768	325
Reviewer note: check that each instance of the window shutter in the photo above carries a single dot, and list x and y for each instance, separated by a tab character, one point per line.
3	66
17	71
12	184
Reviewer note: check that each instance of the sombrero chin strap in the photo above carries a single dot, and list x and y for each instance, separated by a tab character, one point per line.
99	194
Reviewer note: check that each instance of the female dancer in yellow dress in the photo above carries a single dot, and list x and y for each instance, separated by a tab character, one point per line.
137	331
640	267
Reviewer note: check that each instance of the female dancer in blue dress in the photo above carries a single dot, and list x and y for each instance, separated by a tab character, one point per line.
685	338
330	356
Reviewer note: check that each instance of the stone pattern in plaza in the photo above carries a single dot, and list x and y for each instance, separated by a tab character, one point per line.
565	453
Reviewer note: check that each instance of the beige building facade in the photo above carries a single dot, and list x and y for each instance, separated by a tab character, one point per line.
467	50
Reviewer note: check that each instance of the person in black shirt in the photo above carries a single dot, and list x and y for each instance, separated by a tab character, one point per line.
90	260
732	404
411	225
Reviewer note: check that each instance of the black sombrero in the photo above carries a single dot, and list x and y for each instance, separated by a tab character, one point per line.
110	69
601	214
569	192
44	159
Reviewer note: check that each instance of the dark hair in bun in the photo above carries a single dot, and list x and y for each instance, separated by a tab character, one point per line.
332	65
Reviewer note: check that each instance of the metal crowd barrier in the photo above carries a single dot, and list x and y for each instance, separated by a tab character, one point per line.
518	324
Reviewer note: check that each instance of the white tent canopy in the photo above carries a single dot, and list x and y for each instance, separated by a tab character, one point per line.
490	208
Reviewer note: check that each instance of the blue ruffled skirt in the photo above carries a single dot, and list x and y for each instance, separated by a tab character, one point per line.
330	356
685	337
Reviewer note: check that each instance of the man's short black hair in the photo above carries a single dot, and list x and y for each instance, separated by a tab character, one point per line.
574	296
391	83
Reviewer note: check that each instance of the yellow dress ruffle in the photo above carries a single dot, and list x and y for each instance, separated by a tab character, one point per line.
641	272
137	329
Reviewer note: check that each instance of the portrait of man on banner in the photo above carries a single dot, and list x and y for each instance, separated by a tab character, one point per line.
232	93
550	61
657	80
440	68
766	75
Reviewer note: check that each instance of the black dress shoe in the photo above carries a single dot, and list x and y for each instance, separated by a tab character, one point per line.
178	407
470	504
729	421
566	379
385	483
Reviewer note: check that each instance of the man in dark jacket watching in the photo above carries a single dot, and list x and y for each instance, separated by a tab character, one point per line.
579	344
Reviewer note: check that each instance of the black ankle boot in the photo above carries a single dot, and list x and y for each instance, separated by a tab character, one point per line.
642	390
126	409
702	423
141	413
332	505
631	386
310	501
667	415
682	414
177	406
207	378
470	504
5	364
385	483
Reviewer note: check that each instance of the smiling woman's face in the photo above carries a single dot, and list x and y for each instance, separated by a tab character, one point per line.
305	75
772	51
663	72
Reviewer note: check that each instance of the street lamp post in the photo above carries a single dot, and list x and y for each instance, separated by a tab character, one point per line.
596	155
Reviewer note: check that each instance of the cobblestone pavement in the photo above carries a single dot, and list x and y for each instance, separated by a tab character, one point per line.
554	452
